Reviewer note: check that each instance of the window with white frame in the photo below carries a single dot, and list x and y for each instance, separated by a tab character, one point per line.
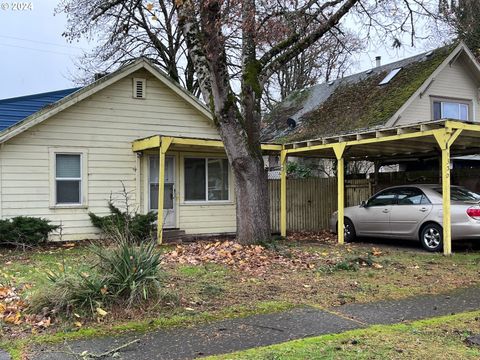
68	179
450	110
206	179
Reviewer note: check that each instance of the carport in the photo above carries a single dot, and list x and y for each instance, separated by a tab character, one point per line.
442	138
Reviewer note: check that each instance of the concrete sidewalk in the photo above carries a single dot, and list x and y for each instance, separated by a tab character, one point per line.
261	330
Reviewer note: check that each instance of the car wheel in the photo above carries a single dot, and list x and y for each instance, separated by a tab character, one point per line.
431	237
349	230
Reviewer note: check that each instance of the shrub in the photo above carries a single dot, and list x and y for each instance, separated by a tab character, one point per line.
124	274
70	290
26	231
123	225
132	272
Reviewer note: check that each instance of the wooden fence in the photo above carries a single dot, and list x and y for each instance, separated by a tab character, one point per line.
311	202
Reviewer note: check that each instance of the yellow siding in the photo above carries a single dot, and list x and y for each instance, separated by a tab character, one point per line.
454	81
207	219
105	123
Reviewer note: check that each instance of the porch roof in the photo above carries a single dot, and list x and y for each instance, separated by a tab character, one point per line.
183	142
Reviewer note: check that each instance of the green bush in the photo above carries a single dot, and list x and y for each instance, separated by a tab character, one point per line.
124	225
126	274
131	272
27	231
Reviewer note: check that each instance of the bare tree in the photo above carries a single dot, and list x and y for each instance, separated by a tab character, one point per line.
128	29
327	59
253	38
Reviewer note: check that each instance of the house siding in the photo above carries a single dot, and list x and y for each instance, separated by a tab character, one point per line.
453	81
105	124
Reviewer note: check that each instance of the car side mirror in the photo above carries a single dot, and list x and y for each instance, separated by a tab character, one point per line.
363	204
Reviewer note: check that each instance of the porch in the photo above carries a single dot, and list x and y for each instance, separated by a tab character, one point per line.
192	178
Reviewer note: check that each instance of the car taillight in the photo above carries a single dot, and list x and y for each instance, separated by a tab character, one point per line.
474	213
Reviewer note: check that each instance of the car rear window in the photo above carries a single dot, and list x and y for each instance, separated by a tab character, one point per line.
461	194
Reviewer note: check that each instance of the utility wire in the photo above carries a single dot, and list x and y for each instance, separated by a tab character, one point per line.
41	42
34	49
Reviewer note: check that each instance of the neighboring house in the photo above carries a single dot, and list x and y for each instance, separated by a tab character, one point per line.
63	153
439	84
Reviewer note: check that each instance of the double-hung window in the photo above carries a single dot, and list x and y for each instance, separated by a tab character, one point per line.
68	179
450	110
206	179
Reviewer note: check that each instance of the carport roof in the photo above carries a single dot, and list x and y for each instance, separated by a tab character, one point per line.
414	140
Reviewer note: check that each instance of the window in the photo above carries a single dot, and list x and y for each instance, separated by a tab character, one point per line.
206	179
383	198
460	194
390	76
450	110
68	178
411	196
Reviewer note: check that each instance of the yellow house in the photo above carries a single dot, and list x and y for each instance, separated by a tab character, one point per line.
63	154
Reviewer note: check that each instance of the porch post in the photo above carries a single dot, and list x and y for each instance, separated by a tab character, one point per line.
339	150
283	193
445	139
164	145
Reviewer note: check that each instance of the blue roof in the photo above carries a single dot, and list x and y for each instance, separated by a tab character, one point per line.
14	110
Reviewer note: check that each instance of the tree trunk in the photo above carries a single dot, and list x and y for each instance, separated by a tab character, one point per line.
253	212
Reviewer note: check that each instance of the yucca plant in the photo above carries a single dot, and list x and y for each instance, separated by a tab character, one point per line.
68	291
132	271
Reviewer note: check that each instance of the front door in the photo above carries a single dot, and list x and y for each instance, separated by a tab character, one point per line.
169	190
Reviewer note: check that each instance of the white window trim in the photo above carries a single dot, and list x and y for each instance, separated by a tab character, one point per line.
83	180
206	201
144	87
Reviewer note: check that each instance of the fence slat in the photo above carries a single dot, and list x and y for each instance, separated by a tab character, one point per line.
310	202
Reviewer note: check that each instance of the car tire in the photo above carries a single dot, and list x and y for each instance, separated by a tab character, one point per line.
349	230
431	237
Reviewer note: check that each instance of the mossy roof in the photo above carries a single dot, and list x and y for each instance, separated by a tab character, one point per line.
351	103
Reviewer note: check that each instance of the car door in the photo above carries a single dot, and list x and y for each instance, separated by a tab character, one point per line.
411	208
373	219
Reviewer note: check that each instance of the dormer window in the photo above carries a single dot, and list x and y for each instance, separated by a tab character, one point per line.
451	109
139	88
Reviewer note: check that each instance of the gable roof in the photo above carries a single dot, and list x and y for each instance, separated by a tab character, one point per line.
16	109
63	102
357	101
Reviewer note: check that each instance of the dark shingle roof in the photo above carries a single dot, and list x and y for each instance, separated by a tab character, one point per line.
351	103
14	110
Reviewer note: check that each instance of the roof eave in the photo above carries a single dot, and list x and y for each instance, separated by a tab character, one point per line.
74	98
422	88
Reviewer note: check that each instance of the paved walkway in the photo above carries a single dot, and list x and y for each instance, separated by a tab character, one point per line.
260	330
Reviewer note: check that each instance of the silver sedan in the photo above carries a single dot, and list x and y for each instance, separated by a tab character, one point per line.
413	212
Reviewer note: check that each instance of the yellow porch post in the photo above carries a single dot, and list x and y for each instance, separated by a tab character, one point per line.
339	150
164	145
283	193
445	139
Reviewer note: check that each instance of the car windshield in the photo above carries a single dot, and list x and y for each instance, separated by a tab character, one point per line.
461	194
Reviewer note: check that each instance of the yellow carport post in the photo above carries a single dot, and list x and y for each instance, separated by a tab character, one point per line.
164	145
339	150
283	193
445	138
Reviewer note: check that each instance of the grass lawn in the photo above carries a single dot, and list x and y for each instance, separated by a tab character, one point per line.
437	338
320	274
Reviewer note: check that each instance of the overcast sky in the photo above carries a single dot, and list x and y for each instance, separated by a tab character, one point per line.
35	58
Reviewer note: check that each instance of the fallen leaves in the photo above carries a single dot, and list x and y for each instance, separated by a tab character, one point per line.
12	308
254	259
